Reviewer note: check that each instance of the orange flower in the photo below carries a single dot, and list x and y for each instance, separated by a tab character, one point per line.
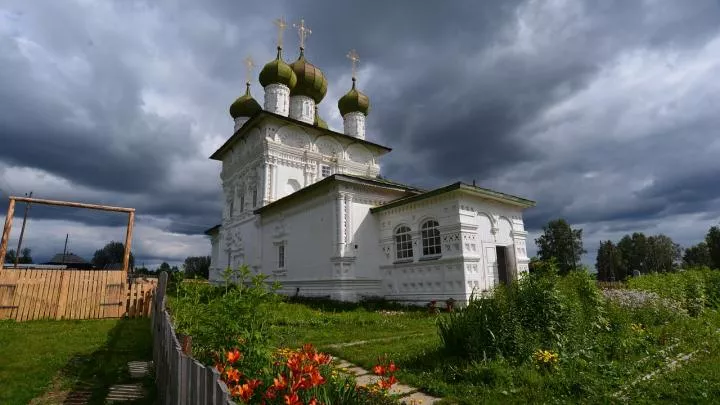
379	370
316	378
391	367
244	391
233	375
233	356
254	383
279	383
387	383
314	402
292	399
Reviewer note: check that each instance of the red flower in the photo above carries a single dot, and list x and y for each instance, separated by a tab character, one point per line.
292	399
244	391
233	375
233	356
391	367
379	370
314	402
254	383
279	383
316	378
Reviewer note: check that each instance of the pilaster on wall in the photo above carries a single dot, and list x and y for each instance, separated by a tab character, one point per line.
520	253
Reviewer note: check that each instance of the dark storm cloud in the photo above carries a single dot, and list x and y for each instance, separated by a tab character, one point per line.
118	98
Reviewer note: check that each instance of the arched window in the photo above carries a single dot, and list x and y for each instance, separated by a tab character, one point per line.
430	238
403	243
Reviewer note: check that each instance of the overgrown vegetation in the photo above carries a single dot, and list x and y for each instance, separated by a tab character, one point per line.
547	338
244	315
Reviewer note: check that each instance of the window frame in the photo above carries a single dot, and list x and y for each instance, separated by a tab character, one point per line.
255	196
431	243
403	241
281	256
322	171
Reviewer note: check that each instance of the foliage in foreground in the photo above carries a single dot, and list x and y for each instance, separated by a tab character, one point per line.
302	376
539	312
236	319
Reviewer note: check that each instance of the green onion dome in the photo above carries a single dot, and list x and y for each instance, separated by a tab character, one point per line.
310	80
245	105
319	122
354	101
278	72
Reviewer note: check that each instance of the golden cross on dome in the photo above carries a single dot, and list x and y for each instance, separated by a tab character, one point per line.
281	25
303	32
249	65
354	58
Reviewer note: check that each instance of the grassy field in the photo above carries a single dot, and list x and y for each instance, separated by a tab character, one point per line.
327	323
47	362
603	348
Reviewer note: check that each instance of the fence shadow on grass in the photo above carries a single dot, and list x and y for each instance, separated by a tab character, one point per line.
93	375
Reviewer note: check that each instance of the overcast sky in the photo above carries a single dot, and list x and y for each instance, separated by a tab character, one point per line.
606	113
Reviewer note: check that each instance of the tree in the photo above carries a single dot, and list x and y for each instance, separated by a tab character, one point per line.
663	254
10	256
609	262
26	257
197	267
112	253
697	255
633	252
164	266
561	242
713	242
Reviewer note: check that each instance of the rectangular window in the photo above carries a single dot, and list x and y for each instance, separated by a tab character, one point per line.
325	170
231	208
254	196
242	202
281	256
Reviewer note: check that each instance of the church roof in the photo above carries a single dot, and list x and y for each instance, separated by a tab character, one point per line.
349	178
213	230
258	117
467	188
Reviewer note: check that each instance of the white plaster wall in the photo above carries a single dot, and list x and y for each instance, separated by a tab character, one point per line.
420	281
306	230
491	224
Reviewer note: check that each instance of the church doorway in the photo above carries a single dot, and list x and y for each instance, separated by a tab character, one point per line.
501	252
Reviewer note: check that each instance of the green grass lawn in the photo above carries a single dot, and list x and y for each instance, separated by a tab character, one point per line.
423	365
47	360
411	339
327	323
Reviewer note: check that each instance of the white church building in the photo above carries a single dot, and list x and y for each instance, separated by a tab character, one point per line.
307	205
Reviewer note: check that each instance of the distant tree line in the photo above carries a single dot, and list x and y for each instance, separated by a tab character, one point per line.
112	255
632	253
25	257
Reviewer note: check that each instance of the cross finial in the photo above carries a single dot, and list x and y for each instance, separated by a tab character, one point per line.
249	65
281	25
354	58
303	32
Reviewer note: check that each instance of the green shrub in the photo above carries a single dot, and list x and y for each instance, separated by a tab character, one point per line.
694	289
226	316
518	319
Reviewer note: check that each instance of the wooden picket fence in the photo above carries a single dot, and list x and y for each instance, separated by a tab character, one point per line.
179	378
29	294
